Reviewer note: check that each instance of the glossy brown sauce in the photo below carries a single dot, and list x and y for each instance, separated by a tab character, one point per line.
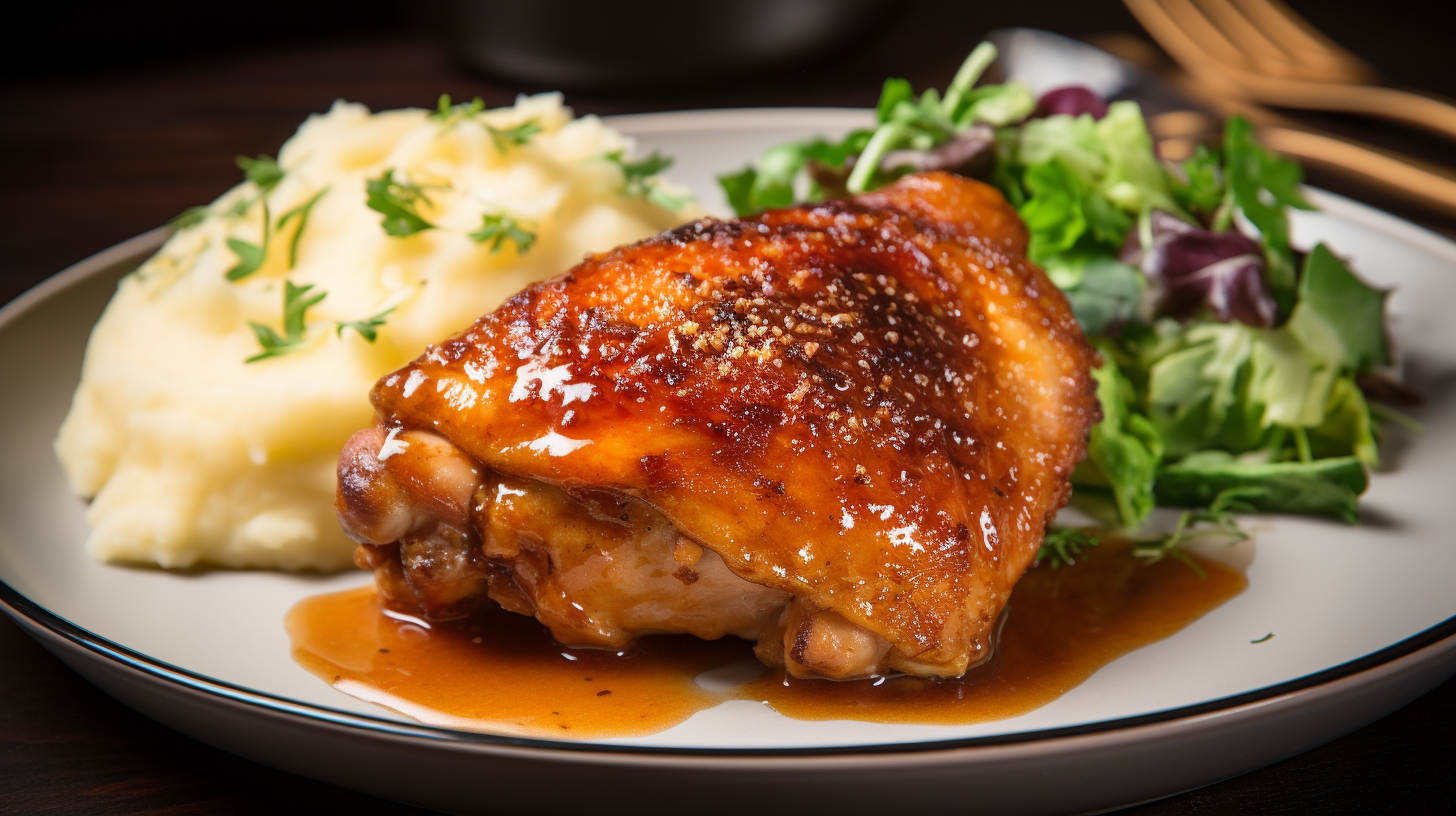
503	673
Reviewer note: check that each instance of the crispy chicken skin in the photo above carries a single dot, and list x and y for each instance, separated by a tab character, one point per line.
838	429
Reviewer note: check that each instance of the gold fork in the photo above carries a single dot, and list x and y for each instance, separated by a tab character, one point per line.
1260	50
1179	132
1278	42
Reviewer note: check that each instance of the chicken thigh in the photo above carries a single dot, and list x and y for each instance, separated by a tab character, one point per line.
838	430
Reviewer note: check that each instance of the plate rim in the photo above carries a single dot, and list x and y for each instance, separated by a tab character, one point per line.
1428	645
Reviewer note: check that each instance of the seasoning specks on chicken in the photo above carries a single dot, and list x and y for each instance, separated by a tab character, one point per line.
837	429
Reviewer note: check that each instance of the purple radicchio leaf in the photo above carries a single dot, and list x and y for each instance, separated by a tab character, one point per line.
970	153
1189	268
1073	99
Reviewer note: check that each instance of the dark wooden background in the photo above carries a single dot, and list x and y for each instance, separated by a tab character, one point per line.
113	121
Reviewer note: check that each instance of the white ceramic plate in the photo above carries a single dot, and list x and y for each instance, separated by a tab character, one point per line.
1363	616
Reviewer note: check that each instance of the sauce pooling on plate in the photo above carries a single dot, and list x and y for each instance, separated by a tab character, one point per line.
503	673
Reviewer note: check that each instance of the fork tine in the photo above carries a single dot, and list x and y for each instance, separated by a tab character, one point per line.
1167	29
1254	44
1296	36
1197	25
1184	31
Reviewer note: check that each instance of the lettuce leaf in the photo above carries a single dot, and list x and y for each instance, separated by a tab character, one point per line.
1134	179
1347	428
1104	293
1263	186
1324	487
1124	450
1338	316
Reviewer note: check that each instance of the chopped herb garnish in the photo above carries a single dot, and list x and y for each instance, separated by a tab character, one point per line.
398	202
1061	546
262	171
301	213
250	255
666	200
265	173
190	217
638	172
1269	636
296	303
448	113
240	208
640	179
497	228
507	138
367	328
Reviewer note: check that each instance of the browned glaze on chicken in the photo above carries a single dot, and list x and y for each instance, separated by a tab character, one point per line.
838	429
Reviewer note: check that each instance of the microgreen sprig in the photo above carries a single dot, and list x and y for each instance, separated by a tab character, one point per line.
1219	518
1061	546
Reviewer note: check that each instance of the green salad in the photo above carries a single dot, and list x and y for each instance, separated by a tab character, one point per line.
1235	368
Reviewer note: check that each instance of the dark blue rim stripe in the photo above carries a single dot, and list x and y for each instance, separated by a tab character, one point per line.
22	607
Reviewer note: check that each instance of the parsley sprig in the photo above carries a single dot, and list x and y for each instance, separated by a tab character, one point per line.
640	179
265	174
296	303
453	114
301	213
250	255
367	327
507	138
398	201
503	138
498	228
262	171
190	217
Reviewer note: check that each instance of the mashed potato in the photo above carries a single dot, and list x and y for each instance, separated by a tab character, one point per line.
195	455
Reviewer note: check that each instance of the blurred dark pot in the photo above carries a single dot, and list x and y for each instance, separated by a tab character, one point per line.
576	44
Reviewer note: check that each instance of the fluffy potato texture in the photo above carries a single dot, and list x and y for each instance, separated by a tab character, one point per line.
192	455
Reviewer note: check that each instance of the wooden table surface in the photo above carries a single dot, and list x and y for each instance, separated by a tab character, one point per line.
113	129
